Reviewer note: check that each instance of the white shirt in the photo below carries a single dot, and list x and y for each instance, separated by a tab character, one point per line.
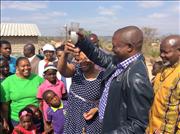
68	81
31	58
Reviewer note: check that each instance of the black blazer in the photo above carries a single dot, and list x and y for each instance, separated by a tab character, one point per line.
130	95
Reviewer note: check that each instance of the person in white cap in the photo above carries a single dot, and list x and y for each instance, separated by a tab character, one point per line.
49	52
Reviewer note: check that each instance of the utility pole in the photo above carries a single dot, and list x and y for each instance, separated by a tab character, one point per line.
66	30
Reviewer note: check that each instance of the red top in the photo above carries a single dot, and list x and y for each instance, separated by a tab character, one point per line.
20	130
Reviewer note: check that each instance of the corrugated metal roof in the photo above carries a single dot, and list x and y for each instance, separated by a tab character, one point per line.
19	29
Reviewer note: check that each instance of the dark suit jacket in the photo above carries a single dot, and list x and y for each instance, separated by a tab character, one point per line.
130	94
34	64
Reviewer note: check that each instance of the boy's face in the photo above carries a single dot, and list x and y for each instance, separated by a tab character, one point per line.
26	122
53	100
4	68
50	75
5	50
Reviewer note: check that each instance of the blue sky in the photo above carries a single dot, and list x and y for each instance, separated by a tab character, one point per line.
102	18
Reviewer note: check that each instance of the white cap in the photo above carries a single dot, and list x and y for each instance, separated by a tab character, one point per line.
49	66
48	47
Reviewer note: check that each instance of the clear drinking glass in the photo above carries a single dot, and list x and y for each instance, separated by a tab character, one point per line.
73	30
74	26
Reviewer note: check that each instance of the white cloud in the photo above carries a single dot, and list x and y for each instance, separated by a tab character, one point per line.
150	4
105	11
6	19
101	25
164	25
36	17
46	16
55	13
26	6
104	25
105	21
110	11
157	16
116	6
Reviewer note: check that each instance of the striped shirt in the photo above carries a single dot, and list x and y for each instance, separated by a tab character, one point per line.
120	68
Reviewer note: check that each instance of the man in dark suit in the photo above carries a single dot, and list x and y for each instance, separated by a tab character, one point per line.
29	52
127	92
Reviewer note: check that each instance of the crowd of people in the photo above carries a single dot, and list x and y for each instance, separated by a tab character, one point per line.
80	89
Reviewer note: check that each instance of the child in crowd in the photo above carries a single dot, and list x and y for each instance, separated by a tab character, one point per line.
55	115
26	125
4	73
37	118
4	69
156	69
5	52
51	82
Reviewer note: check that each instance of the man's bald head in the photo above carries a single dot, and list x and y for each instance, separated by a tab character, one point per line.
131	35
170	50
172	40
29	50
29	46
127	42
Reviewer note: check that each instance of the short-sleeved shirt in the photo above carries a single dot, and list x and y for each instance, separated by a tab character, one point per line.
21	92
41	65
58	88
2	79
12	65
56	116
22	130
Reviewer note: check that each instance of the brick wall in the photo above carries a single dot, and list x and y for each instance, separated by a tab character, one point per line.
17	43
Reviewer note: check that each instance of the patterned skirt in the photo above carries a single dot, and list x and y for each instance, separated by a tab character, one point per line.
74	120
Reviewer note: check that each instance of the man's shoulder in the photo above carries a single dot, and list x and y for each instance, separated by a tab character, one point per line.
7	81
36	77
11	77
37	58
12	59
139	64
138	69
45	84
